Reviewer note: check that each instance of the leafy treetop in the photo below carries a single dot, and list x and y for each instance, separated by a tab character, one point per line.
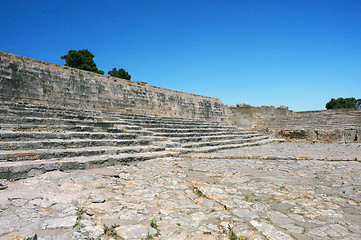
121	73
343	103
82	59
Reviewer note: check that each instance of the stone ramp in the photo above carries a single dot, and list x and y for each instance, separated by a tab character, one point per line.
36	139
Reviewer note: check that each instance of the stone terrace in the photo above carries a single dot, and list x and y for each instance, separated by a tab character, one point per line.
36	139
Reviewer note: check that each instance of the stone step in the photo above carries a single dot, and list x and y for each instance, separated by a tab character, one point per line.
49	128
20	170
50	114
206	149
156	119
212	137
57	121
187	130
140	132
49	111
223	142
72	143
45	149
45	108
71	128
62	123
118	120
201	134
171	122
41	154
149	119
101	120
23	136
180	125
83	114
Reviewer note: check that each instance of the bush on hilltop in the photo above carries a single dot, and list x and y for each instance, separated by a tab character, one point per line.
343	103
121	73
82	59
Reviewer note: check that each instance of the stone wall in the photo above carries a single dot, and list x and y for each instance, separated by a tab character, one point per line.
342	125
24	79
247	116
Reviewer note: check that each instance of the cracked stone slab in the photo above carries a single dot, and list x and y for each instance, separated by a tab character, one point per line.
67	222
20	234
135	231
245	214
270	231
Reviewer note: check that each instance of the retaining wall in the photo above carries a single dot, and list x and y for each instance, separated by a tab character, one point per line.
340	125
28	80
249	116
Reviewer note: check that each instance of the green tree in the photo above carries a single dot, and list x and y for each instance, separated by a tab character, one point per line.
82	59
343	103
121	73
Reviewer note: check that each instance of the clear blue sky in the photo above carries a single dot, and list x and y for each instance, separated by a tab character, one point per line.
259	52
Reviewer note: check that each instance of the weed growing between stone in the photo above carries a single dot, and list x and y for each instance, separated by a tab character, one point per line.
79	226
149	236
153	224
110	231
231	234
198	192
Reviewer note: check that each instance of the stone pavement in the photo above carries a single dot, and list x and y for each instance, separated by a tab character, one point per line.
294	151
277	191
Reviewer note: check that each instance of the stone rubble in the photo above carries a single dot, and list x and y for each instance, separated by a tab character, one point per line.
220	195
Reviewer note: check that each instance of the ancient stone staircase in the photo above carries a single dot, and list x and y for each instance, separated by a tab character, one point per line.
36	139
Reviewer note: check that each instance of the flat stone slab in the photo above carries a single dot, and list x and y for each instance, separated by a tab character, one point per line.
20	234
135	232
67	222
270	231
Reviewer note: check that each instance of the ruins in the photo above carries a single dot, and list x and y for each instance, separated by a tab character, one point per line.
73	145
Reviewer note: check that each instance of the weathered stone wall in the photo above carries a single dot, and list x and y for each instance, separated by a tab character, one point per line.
248	116
342	125
24	79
